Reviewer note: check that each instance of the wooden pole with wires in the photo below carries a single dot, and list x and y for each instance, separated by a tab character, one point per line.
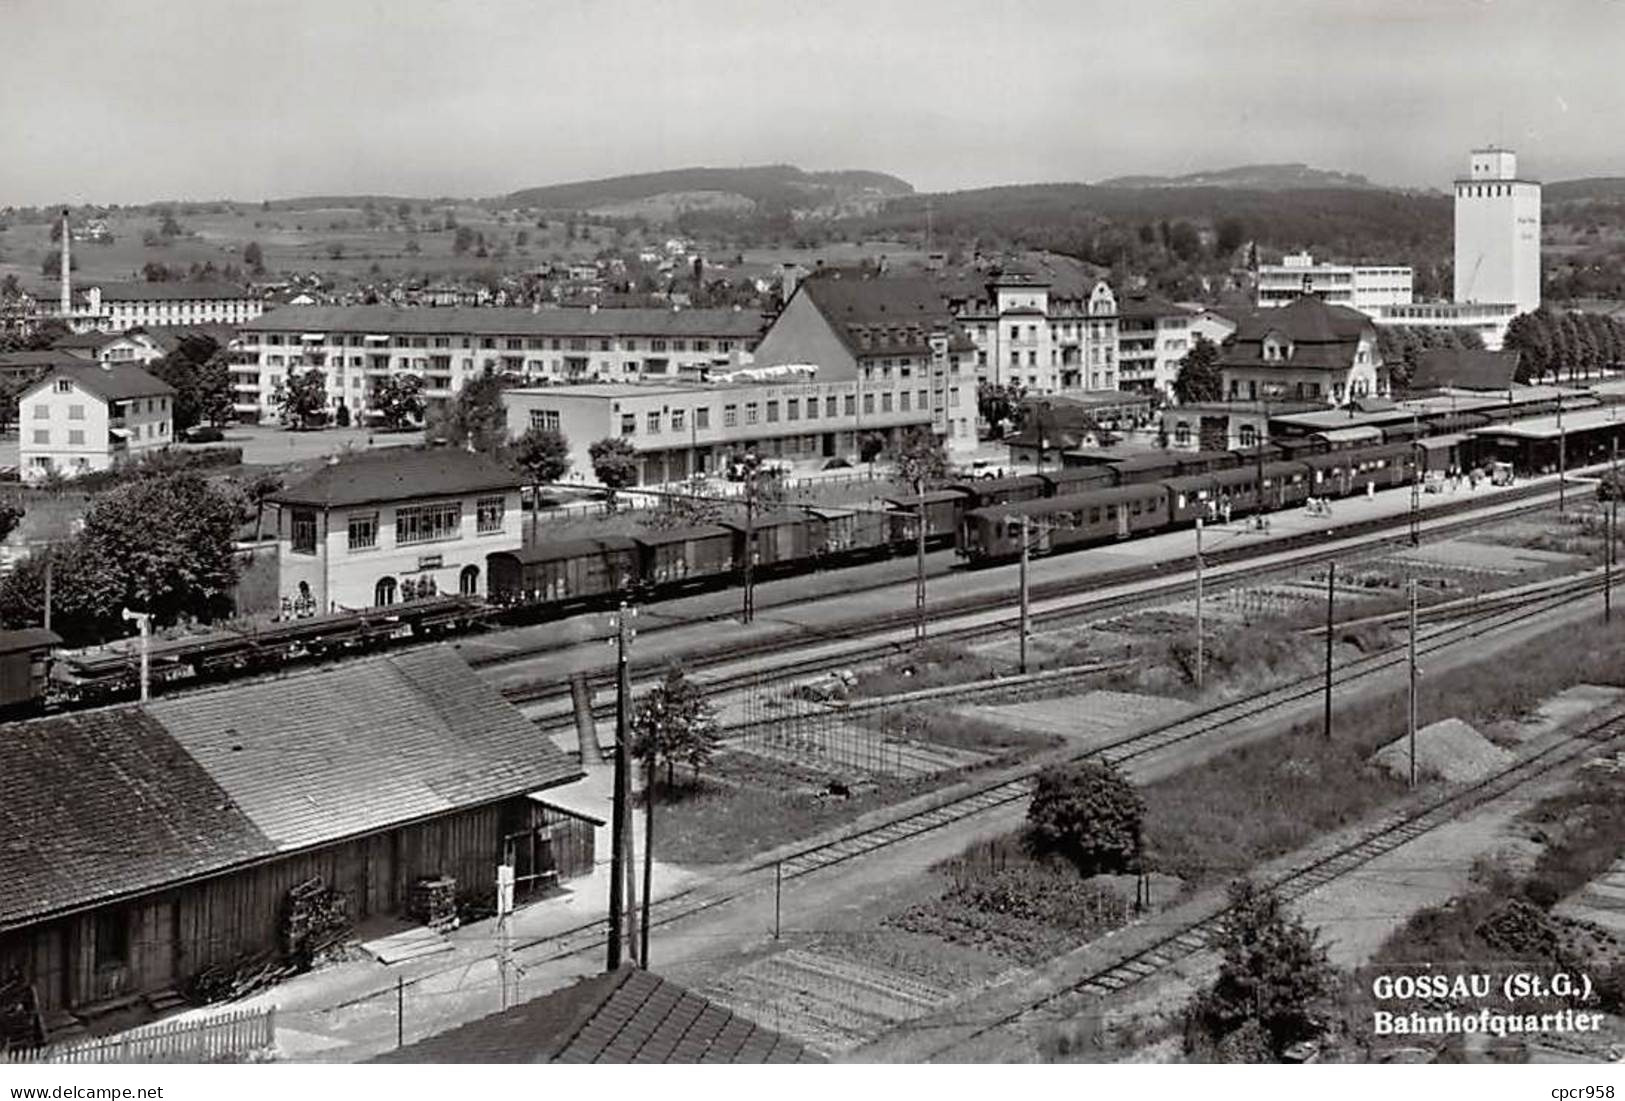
1613	530
1411	709
1198	604
618	823
1025	550
1331	596
919	560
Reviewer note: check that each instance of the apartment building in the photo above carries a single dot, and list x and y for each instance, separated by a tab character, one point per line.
393	525
357	346
1359	287
80	418
1030	333
685	429
1153	335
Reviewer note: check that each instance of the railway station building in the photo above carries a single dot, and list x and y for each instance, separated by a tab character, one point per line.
151	844
1306	351
395	525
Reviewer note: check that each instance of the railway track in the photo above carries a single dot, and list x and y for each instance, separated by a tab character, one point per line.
1378	840
1088	609
703	897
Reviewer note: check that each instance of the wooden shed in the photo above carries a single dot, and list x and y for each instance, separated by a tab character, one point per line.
150	842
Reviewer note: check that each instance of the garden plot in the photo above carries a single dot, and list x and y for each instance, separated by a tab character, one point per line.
1086	720
831	1004
834	743
1481	559
1601	901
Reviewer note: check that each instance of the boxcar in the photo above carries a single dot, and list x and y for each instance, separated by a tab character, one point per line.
25	665
688	555
780	538
982	492
943	510
1151	467
1078	479
831	531
564	572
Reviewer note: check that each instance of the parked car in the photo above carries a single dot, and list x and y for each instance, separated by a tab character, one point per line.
203	433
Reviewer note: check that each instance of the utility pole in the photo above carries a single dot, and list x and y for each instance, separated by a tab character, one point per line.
1022	667
1198	604
618	824
919	560
143	621
1416	485
1613	531
1412	708
1331	595
749	611
48	564
505	921
648	854
1562	457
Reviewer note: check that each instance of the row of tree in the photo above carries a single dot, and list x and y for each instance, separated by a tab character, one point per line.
1553	343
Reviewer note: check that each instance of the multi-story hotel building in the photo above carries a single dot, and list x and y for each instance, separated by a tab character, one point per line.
357	346
1363	288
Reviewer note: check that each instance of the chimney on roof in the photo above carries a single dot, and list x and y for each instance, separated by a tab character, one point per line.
67	284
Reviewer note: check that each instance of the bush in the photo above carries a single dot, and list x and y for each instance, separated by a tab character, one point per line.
1089	814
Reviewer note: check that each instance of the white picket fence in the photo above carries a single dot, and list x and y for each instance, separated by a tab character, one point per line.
223	1038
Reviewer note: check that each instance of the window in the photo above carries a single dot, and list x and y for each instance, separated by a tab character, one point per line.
851	405
885	402
730	416
383	593
868	403
657	345
792	409
903	402
363	530
751	413
42	435
64	386
829	406
677	420
303	530
546	420
702	418
772	412
428	523
654	424
629	423
812	409
42	412
488	513
76	437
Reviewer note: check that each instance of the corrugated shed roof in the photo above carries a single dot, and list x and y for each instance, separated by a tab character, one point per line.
373	743
104	803
572	321
129	799
625	1016
398	474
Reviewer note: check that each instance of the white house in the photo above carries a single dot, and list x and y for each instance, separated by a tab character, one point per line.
77	419
394	525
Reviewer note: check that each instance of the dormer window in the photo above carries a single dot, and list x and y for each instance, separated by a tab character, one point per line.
64	386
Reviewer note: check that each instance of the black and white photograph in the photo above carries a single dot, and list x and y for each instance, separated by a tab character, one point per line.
918	532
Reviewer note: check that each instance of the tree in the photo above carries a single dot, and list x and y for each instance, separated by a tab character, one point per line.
169	227
10	390
1273	984
254	257
200	372
998	405
1199	378
543	454
11	514
475	418
257	491
922	461
302	401
463	241
1087	813
870	445
1231	233
675	722
614	464
398	400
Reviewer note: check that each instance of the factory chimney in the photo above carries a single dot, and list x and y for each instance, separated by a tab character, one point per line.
67	286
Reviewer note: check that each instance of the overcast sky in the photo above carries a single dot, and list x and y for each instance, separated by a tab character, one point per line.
126	101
